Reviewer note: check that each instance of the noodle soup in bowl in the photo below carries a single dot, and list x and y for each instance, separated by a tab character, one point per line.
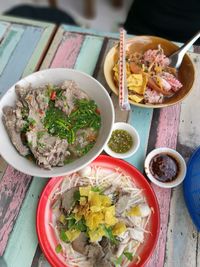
151	81
97	230
98	100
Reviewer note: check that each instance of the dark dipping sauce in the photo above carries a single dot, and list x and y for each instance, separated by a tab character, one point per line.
164	167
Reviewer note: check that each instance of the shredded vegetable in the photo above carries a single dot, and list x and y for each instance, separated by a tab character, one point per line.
101	191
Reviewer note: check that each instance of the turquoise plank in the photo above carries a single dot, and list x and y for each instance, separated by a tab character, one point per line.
23	240
3	28
140	118
89	52
9	43
20	57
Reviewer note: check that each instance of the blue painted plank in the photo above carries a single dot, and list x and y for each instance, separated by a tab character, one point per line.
89	51
19	59
9	43
140	118
3	28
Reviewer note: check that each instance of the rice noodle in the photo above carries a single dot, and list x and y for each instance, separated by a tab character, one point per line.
102	178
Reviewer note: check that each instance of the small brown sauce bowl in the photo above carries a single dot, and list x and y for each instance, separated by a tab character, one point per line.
174	155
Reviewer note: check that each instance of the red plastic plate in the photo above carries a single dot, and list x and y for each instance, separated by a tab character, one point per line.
47	237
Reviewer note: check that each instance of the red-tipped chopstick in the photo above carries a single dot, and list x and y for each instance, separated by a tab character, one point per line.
123	90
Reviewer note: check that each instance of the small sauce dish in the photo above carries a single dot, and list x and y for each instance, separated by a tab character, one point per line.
165	167
124	139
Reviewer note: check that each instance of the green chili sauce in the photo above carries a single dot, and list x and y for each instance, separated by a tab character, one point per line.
121	141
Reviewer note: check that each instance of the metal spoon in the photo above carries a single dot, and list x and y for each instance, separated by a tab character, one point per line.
177	57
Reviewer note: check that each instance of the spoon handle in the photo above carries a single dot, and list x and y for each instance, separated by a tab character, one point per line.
187	45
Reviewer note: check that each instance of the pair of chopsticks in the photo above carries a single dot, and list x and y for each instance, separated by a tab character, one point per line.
123	90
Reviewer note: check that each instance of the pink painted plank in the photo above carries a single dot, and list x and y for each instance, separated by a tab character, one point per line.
13	187
167	133
68	50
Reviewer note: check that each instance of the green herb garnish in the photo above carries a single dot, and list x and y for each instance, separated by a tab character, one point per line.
118	261
29	122
40	134
70	223
77	195
80	225
63	236
109	235
58	248
128	255
96	189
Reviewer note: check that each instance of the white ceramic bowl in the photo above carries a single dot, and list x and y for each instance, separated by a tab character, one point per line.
181	164
56	76
136	140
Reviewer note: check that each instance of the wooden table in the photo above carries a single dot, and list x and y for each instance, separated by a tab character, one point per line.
26	46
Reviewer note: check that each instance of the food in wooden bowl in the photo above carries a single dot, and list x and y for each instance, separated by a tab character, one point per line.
151	81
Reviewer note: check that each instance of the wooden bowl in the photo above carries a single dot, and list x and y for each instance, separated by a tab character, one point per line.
186	72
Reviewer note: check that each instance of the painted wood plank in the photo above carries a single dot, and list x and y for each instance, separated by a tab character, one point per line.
8	45
72	28
115	35
68	50
3	29
99	70
140	118
181	246
3	166
52	49
189	120
182	237
27	22
167	132
89	49
23	241
197	251
153	130
120	115
13	188
40	50
20	58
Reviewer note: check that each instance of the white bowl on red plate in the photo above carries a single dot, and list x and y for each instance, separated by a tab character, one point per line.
56	76
136	141
181	165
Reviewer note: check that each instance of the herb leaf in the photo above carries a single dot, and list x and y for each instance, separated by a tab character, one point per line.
96	189
58	248
63	236
128	255
70	223
118	261
77	195
109	234
80	225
